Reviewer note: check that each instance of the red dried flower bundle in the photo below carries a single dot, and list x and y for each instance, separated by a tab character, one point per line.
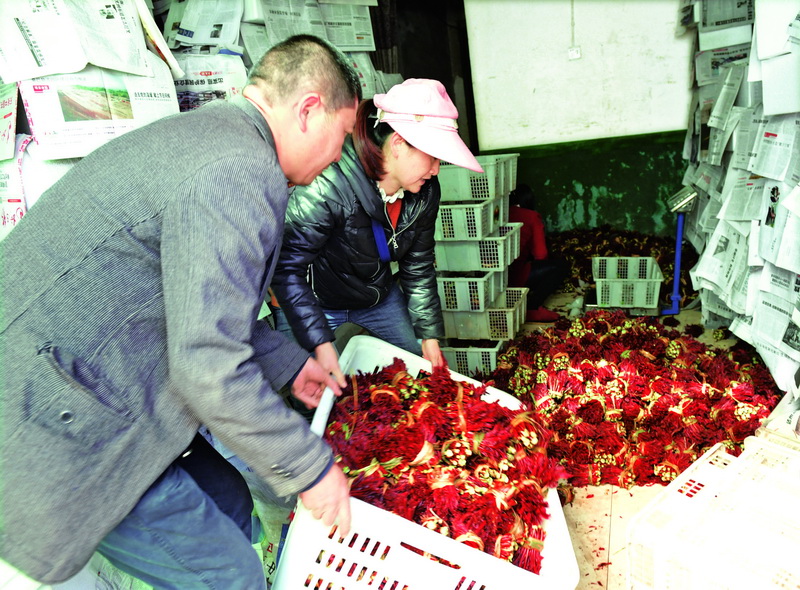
431	450
631	401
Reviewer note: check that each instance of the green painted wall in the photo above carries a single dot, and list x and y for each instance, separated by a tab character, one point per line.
622	182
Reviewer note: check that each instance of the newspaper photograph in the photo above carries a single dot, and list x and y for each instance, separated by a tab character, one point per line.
72	114
207	78
779	231
210	22
8	119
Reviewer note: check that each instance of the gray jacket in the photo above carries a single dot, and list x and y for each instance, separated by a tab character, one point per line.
128	317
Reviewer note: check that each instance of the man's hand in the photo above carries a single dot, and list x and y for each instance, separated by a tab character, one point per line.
329	500
431	352
311	381
327	356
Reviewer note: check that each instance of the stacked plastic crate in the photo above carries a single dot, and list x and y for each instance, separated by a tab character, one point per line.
475	244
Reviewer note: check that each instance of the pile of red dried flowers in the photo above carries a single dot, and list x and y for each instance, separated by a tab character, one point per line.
631	401
432	451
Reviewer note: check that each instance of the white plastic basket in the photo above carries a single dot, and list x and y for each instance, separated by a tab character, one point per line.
499	178
491	253
780	426
468	220
474	291
726	522
509	163
501	321
513	230
380	551
469	356
627	281
460	184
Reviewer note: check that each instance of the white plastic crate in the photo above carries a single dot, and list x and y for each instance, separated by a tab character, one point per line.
727	523
514	232
491	253
502	208
467	220
474	291
460	184
469	356
499	178
781	425
501	321
627	281
509	163
379	551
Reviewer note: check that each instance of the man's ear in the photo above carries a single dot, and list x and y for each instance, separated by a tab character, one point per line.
308	105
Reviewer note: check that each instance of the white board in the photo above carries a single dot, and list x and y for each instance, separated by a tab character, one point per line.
633	77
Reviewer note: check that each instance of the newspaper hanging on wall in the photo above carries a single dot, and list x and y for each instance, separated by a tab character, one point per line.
98	32
207	78
8	119
72	114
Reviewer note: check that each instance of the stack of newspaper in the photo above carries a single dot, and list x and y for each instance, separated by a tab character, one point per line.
743	145
115	66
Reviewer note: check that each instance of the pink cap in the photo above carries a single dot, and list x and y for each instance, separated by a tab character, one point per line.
422	113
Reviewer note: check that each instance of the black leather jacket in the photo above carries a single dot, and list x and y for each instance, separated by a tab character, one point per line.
329	229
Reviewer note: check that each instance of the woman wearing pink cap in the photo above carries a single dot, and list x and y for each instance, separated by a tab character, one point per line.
376	205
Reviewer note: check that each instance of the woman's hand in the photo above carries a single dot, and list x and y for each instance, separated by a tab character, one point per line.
432	352
327	356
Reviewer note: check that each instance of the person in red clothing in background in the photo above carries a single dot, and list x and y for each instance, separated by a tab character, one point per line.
534	268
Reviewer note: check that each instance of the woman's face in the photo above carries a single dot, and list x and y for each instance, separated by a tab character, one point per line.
413	167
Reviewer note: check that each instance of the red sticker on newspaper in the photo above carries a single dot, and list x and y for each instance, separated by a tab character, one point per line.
206	73
41	87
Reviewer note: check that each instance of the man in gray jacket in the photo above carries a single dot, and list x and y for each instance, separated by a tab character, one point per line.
128	318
